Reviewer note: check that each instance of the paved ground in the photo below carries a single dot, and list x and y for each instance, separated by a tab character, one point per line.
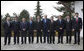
43	46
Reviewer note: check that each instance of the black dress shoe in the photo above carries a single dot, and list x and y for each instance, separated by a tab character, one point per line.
41	42
48	42
44	42
8	43
14	43
70	43
17	43
61	43
66	42
78	43
4	44
21	43
36	42
57	43
74	43
32	42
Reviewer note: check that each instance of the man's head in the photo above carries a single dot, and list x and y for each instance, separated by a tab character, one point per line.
45	16
8	18
16	18
76	14
59	17
23	19
31	18
38	17
51	18
68	17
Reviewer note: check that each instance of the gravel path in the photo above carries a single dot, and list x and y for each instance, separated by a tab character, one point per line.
43	46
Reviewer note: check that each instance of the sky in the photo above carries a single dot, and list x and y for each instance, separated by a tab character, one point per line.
17	6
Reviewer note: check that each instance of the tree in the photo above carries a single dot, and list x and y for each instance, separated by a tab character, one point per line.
15	15
2	30
38	10
24	14
66	8
7	15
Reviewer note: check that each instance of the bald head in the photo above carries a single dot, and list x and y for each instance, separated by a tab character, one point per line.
23	19
68	17
51	18
38	17
59	17
76	14
31	18
45	16
8	18
16	18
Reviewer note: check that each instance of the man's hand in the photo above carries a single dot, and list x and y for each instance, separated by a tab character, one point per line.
80	29
35	30
41	30
73	29
23	29
48	30
54	30
60	28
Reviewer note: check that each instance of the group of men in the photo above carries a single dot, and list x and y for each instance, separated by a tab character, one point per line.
45	27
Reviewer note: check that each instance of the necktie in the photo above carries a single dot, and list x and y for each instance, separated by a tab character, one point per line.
8	23
67	20
51	21
30	23
38	20
77	20
23	24
60	21
45	20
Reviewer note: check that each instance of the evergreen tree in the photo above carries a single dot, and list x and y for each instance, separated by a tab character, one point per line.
38	10
66	8
7	15
24	14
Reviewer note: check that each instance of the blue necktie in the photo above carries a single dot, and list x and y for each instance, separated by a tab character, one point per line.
60	21
45	20
8	23
23	24
30	23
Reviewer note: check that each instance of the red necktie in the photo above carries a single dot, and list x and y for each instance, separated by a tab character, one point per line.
76	20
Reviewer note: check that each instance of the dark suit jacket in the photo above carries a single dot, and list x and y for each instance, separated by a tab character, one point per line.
52	26
75	25
45	26
68	25
31	26
38	25
24	26
16	25
62	25
7	28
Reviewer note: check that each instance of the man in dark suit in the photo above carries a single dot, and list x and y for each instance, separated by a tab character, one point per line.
52	30
68	27
31	30
24	28
38	27
45	25
76	27
16	29
7	30
60	28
